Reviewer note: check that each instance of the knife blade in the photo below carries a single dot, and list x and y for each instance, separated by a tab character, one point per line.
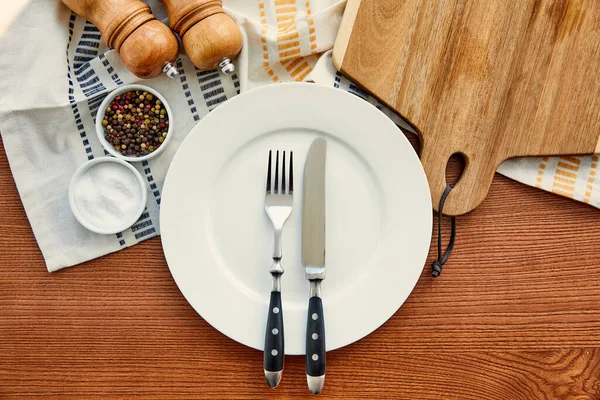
313	260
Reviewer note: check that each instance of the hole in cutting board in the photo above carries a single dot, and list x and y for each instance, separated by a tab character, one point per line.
414	139
454	168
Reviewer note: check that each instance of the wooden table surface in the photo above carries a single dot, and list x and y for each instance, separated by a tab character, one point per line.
515	315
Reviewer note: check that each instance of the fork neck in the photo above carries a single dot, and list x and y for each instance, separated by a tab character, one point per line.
277	245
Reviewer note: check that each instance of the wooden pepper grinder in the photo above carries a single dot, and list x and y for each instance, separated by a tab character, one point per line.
147	46
210	38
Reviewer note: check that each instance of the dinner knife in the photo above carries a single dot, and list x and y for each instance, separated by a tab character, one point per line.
313	260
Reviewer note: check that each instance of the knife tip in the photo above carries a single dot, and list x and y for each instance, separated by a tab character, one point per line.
320	141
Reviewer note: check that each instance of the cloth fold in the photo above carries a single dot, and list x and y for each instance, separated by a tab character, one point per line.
54	75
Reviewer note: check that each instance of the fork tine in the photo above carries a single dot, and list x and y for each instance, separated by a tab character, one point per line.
277	173
283	174
269	174
291	172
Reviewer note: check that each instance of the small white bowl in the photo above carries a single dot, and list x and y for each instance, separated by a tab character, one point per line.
100	128
127	220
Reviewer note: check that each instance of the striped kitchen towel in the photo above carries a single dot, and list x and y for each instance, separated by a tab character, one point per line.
55	74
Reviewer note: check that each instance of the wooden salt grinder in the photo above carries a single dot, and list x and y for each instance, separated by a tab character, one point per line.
210	38
147	46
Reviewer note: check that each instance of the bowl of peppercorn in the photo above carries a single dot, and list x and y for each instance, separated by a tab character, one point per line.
134	123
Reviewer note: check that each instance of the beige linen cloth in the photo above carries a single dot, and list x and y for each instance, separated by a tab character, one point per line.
55	70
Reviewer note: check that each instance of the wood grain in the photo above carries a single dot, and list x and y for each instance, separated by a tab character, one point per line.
487	79
208	34
515	315
128	26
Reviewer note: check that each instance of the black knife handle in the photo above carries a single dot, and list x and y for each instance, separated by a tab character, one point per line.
315	338
274	350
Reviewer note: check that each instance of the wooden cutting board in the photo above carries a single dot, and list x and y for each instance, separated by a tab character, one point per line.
490	80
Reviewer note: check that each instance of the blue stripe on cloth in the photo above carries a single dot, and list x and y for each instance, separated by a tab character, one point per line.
212	88
236	83
88	45
150	178
113	75
145	233
187	93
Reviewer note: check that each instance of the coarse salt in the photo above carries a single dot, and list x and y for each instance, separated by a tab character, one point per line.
108	195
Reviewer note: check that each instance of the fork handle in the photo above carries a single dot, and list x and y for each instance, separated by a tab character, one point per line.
274	344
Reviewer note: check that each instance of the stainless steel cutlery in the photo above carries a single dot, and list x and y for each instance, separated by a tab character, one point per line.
313	260
279	200
278	205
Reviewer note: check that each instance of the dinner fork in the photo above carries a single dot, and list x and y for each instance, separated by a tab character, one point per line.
278	205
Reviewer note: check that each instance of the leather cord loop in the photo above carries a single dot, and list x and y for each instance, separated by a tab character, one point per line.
437	265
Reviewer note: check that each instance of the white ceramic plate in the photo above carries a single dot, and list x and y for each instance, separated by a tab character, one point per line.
218	240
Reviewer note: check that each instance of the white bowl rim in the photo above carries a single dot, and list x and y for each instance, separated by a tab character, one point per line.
100	117
127	224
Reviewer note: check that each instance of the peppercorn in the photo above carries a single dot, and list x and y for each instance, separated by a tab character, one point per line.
135	123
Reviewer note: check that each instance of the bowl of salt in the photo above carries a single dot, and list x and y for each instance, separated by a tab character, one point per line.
107	195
